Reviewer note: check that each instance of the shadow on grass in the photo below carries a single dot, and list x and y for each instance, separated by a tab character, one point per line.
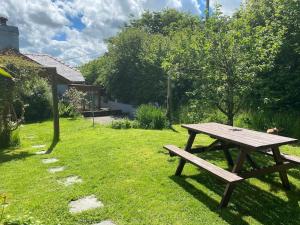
52	146
173	129
7	155
247	201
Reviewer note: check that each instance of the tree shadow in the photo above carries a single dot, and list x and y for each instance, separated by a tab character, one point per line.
173	129
247	201
7	155
52	146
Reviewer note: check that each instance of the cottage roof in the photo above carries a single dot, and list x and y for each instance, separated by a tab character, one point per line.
69	73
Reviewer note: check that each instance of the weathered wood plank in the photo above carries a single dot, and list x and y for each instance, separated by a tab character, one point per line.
242	137
285	157
267	170
213	169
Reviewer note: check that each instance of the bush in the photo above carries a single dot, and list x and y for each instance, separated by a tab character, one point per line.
151	117
71	103
123	124
9	138
38	101
15	139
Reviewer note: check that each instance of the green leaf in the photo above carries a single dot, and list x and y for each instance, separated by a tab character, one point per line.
4	73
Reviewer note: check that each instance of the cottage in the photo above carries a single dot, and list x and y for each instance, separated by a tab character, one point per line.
67	76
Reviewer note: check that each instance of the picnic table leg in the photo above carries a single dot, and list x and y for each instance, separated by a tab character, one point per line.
230	186
282	174
228	157
252	162
188	148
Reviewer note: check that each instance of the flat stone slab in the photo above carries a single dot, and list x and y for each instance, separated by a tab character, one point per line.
41	152
56	169
70	180
83	204
51	160
38	146
106	222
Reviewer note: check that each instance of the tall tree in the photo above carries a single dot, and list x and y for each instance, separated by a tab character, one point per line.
229	53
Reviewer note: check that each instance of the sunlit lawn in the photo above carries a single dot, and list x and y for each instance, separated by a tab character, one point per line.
132	175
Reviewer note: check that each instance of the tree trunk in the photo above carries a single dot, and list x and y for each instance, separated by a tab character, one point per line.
230	120
169	101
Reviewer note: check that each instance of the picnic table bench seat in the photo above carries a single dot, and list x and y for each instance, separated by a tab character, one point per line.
285	157
211	168
245	142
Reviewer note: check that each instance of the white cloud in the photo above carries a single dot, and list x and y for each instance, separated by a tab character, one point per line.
40	20
228	6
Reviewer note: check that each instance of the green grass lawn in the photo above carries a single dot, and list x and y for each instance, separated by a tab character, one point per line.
132	175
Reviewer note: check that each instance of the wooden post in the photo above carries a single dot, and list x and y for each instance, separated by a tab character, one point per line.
93	108
55	104
169	101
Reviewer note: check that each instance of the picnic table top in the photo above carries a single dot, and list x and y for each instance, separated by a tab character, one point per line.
240	136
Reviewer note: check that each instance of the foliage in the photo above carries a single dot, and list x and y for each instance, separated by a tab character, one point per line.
132	78
22	220
189	114
15	140
11	91
124	124
71	103
165	22
277	90
288	123
131	69
244	62
224	57
38	101
151	117
5	74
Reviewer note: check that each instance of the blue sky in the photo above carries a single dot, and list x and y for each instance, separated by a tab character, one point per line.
75	30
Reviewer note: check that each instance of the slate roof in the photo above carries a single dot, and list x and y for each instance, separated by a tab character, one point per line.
67	72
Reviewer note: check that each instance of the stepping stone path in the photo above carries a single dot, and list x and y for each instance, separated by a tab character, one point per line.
83	204
70	180
48	161
56	169
76	206
106	222
41	152
39	146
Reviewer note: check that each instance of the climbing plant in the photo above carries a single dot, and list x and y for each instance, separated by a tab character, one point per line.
17	74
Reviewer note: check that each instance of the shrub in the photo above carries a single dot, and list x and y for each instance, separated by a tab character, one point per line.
71	102
122	124
192	112
15	139
151	117
38	101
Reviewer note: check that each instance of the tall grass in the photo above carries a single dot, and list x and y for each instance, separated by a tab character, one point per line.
151	117
288	123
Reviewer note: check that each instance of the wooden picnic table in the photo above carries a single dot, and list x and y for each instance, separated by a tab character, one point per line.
246	142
